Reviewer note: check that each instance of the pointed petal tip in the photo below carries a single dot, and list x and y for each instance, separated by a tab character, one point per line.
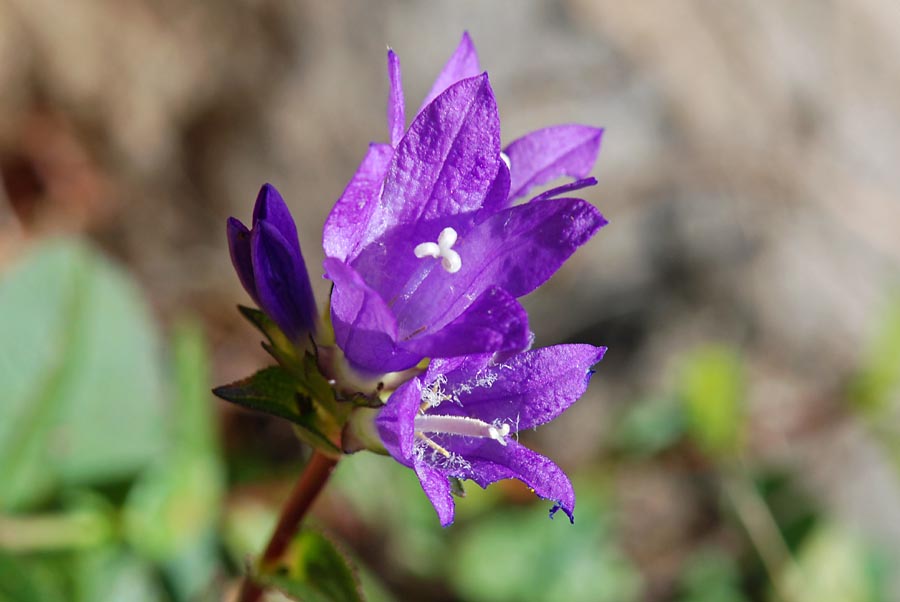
234	225
567	511
269	203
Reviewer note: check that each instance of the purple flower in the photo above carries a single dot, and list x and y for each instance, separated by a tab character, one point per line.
269	263
461	419
425	248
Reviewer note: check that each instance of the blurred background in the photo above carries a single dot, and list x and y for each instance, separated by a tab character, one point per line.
741	440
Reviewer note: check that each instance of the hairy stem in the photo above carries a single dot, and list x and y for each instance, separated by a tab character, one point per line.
307	489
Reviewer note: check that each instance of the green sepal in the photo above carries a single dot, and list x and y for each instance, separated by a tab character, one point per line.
279	346
314	569
275	391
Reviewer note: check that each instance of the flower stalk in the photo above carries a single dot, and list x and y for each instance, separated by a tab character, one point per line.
301	499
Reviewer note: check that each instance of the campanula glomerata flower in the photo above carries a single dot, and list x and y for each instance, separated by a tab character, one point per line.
270	266
462	417
425	247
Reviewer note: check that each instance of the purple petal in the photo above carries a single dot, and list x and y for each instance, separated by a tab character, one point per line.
437	488
493	322
282	283
458	368
491	462
463	64
364	326
516	249
396	113
526	390
396	421
570	187
239	247
271	208
446	161
347	223
544	155
497	196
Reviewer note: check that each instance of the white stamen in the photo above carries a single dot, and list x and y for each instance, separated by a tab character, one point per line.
460	425
505	158
443	249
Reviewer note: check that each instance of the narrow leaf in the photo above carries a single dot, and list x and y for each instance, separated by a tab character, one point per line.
274	391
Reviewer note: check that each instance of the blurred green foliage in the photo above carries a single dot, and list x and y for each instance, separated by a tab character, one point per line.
712	388
80	366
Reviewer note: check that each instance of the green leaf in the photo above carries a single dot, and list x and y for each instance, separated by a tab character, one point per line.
274	391
712	388
315	570
81	375
172	511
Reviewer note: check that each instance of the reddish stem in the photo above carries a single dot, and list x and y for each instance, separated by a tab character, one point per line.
307	489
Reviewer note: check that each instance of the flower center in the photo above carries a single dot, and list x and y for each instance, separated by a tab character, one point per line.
443	249
461	425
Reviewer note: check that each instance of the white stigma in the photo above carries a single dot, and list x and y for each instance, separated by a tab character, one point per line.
505	158
443	249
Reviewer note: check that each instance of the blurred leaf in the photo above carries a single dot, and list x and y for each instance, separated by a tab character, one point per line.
112	574
878	380
87	521
172	506
195	417
834	566
388	498
274	391
522	555
248	525
711	576
712	387
315	571
650	426
79	364
17	584
172	511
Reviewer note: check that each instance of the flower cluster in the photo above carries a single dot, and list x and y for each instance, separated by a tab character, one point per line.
428	248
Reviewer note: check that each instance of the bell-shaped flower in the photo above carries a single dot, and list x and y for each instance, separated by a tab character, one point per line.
270	266
425	248
462	418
